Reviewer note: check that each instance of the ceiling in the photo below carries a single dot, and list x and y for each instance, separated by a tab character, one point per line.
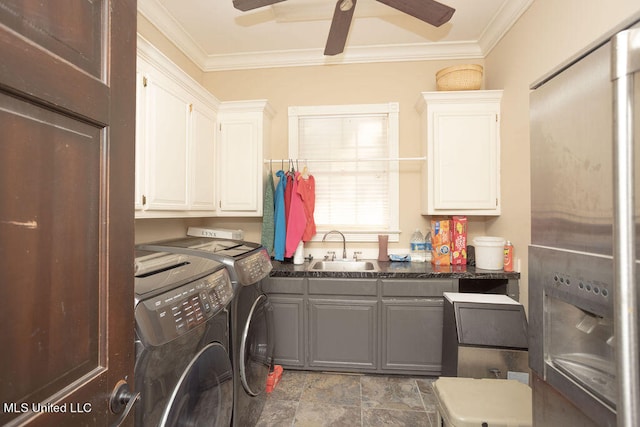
217	37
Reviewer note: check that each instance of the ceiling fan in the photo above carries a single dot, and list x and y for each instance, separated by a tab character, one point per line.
429	11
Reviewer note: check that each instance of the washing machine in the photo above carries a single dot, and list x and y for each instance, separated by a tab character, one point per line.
251	317
183	367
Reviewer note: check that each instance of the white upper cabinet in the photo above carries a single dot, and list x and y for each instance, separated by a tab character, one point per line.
203	125
244	128
461	140
167	130
175	140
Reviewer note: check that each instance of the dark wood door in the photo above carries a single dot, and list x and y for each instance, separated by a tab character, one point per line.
67	126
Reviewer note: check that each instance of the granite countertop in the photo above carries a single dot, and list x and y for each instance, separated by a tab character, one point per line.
397	270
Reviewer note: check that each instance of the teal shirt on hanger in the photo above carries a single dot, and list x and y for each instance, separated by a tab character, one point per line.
280	235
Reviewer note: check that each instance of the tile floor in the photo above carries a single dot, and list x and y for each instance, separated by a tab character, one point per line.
332	399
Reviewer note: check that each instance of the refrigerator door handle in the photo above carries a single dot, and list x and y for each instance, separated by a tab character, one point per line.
625	61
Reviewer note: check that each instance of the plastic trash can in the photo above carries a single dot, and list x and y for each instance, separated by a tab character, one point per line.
466	402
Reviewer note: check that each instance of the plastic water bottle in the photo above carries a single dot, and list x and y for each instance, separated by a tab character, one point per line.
418	247
427	247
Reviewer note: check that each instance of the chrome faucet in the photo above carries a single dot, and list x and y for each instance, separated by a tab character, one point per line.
344	242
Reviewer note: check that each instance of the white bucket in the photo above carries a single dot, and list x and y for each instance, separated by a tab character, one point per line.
489	252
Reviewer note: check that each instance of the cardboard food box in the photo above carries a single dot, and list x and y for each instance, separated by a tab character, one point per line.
459	241
441	242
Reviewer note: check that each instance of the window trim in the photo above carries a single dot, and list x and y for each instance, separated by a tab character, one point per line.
392	110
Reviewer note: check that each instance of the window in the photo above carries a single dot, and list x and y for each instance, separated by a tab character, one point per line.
352	151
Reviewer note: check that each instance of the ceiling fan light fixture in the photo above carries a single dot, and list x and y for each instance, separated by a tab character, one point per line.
346	5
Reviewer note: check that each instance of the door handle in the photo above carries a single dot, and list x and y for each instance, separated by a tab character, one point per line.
122	401
625	61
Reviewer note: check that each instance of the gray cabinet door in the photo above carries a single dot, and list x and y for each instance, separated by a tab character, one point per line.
412	335
286	295
343	333
288	319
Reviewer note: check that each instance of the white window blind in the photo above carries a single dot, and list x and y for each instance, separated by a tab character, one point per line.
347	150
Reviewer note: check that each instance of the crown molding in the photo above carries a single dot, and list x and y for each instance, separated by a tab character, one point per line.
172	30
502	23
351	55
161	19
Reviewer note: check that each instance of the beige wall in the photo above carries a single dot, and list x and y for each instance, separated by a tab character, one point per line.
548	33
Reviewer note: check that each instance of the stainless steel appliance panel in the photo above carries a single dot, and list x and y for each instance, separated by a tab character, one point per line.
571	327
478	362
571	159
585	211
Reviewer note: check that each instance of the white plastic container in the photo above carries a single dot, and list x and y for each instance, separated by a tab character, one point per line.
298	256
489	252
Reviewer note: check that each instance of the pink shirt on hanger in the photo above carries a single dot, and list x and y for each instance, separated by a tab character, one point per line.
297	221
307	191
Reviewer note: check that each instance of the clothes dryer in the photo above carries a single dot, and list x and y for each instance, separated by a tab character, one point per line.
251	315
183	366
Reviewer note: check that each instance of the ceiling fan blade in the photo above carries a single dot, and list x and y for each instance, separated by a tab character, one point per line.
245	5
429	11
340	24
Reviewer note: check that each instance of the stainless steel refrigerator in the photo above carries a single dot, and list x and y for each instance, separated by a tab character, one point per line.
583	286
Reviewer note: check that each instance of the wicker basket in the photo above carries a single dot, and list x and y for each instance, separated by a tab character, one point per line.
460	77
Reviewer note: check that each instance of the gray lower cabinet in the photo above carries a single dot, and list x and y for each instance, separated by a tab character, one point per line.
343	333
359	325
289	340
412	323
412	335
287	299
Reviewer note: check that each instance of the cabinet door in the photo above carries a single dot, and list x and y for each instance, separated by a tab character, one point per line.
167	124
140	137
412	335
288	316
343	333
203	133
465	174
461	175
238	175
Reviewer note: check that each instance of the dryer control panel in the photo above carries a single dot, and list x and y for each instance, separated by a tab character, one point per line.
253	268
165	317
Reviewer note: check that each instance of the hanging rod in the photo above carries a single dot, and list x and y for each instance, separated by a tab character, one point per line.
399	159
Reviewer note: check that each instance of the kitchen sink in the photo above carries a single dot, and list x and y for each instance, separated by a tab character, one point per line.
344	266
